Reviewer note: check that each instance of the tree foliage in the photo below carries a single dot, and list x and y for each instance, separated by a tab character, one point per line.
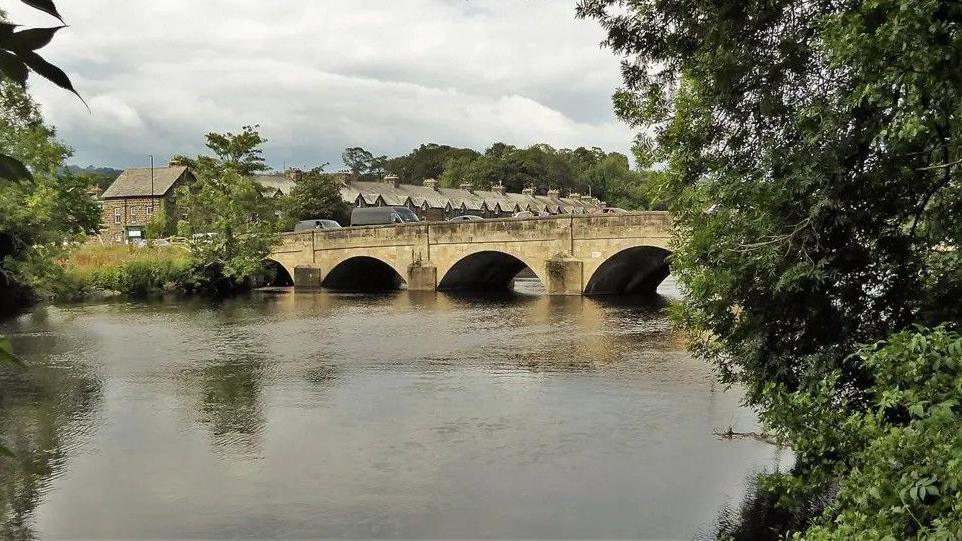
813	154
19	57
901	476
428	160
363	164
231	224
39	213
315	195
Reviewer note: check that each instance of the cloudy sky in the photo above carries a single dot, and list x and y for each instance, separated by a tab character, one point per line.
323	75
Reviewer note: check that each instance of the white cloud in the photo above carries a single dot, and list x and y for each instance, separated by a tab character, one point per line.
321	76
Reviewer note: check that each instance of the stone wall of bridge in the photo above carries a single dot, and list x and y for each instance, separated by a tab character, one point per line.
571	255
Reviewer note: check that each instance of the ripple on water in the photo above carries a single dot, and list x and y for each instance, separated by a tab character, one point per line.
404	414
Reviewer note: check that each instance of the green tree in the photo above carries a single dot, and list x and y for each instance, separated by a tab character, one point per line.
39	213
357	160
460	169
426	161
316	195
813	172
231	224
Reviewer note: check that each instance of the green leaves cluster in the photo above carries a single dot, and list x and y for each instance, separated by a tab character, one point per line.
813	154
40	212
18	57
315	195
901	474
230	223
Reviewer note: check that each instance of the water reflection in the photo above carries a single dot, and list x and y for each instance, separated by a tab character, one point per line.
45	414
405	414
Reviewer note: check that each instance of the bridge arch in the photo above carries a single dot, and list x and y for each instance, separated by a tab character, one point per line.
485	270
278	274
635	270
363	273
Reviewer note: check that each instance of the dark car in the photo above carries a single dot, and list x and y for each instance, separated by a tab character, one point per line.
305	225
382	216
465	218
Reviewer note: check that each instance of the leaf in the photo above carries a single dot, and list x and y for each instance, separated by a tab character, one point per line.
46	6
6	353
6	30
50	72
13	67
13	169
32	39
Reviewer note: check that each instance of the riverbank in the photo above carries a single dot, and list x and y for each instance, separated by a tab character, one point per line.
91	271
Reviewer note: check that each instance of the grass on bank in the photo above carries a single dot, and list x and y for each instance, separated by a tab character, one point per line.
126	269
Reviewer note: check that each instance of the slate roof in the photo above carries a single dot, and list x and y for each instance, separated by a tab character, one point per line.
278	183
444	198
136	182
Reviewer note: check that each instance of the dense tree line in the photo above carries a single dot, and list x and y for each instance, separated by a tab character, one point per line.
814	153
605	175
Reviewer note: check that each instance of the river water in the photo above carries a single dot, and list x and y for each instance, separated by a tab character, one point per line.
408	414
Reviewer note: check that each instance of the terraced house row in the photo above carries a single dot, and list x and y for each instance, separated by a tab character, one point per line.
431	202
137	194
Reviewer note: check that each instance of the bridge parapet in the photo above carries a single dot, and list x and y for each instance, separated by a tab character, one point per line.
565	252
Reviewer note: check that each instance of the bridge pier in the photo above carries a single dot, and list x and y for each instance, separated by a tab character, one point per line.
422	276
307	276
565	275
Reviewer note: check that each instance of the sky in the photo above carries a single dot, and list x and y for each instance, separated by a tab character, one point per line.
323	75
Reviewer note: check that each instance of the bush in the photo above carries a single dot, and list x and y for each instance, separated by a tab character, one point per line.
899	467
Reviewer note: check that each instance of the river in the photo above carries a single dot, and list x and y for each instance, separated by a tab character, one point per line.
407	414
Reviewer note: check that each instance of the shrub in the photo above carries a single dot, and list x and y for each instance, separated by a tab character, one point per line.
900	459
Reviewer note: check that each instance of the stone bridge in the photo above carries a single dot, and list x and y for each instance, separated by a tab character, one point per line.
571	255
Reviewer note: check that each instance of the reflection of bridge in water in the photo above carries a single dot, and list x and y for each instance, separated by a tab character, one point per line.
571	255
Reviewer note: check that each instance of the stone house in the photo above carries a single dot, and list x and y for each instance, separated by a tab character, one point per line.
133	199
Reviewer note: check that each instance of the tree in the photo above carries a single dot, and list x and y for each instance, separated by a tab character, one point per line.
813	172
229	221
316	195
357	160
426	161
39	213
239	153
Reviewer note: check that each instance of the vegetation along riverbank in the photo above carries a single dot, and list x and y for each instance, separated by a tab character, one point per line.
813	154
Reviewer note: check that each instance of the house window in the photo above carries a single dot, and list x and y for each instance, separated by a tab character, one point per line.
149	211
133	214
118	215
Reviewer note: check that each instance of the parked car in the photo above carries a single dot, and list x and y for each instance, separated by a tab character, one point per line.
382	216
465	218
613	210
307	225
524	214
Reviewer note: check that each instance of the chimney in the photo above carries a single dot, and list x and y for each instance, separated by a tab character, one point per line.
295	174
431	183
528	191
393	180
466	186
499	188
553	194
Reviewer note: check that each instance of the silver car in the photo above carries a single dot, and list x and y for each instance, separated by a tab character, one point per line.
307	225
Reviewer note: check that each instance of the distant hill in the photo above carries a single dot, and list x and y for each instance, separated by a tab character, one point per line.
91	170
102	177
